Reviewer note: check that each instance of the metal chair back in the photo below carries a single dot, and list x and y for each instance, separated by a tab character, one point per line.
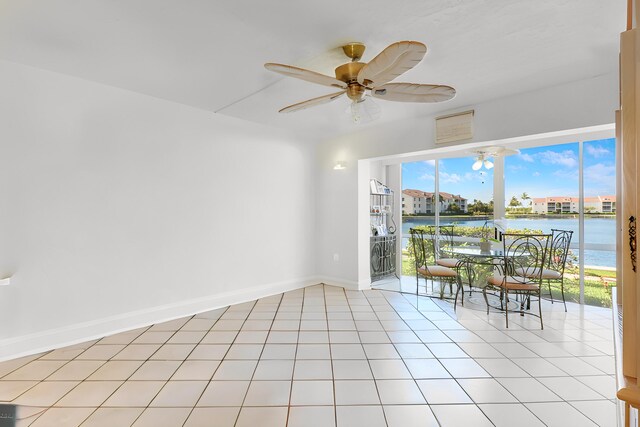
560	241
525	257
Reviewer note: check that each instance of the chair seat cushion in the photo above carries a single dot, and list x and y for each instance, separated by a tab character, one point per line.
513	282
437	271
547	274
448	262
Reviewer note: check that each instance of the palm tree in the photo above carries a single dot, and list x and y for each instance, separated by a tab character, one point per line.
525	197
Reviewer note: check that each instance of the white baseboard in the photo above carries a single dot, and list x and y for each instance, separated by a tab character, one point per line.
347	284
38	342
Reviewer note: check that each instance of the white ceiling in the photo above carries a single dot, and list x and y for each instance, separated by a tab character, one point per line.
210	53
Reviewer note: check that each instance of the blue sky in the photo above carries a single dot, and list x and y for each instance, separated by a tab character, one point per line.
540	172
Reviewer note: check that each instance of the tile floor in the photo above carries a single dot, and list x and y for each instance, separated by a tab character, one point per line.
323	356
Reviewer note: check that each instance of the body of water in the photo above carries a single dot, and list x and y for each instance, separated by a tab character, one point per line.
600	233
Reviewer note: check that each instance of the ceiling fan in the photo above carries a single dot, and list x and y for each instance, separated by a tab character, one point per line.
484	155
359	80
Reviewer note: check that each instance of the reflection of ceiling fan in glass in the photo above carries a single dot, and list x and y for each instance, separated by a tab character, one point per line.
483	156
361	81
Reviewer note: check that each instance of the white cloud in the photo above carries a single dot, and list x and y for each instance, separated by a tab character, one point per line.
452	178
427	177
526	157
536	174
596	150
600	179
565	158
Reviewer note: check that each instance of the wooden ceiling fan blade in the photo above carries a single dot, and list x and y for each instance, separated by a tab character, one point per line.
308	75
411	92
394	60
312	102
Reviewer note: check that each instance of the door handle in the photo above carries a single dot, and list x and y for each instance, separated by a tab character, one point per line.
632	240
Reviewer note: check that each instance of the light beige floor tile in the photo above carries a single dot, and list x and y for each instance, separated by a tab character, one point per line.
356	392
101	352
173	352
76	370
392	369
111	417
209	352
602	412
137	352
528	390
282	337
219	337
206	417
399	392
10	390
268	393
162	417
251	337
198	324
410	416
344	337
134	394
116	370
503	414
313	337
464	368
263	417
352	370
274	370
559	414
502	368
312	370
312	393
244	352
235	370
438	392
46	393
460	415
89	393
187	337
313	351
153	337
65	353
156	370
196	370
347	351
570	389
279	351
63	417
11	365
370	416
426	369
486	390
36	370
311	416
224	393
179	394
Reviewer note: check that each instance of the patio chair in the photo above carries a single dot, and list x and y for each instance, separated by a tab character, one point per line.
442	237
521	275
557	260
424	252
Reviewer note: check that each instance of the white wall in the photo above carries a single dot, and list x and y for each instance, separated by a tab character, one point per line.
118	209
573	105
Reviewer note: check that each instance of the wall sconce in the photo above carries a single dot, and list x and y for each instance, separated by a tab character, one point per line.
340	165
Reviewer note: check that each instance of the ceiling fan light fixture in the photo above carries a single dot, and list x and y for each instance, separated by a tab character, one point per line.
488	164
478	164
364	111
